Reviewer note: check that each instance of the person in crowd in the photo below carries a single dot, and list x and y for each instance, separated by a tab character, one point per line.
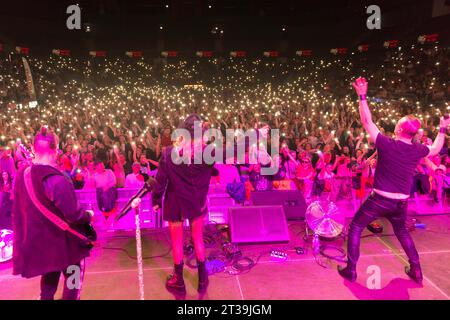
101	152
227	173
7	161
421	180
164	140
287	169
437	176
305	175
358	166
135	179
105	185
260	160
88	172
287	162
343	177
323	180
117	164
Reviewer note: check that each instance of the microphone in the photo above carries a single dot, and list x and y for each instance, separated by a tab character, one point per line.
148	187
446	116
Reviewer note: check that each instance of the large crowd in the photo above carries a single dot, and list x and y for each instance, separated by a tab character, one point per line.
114	116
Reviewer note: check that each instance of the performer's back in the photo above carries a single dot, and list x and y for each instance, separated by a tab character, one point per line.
396	163
40	246
187	187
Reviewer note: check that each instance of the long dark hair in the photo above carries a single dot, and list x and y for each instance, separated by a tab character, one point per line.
2	182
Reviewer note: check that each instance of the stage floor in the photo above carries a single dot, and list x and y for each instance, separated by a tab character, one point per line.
111	274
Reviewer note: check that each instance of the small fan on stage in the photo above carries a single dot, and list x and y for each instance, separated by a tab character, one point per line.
326	223
324	219
6	245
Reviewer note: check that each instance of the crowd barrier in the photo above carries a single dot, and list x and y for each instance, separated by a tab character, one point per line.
148	217
218	202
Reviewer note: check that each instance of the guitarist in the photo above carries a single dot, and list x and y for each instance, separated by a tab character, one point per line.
41	247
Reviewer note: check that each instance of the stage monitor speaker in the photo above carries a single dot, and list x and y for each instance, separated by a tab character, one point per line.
293	202
258	224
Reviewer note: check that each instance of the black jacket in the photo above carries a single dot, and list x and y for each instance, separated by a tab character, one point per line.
185	187
40	246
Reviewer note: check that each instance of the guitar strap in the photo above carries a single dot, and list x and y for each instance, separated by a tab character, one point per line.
60	223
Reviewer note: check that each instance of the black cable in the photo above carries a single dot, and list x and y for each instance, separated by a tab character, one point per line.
189	261
340	257
219	255
243	268
209	240
243	264
319	262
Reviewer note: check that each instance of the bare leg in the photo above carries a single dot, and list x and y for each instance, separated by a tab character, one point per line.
197	237
199	245
176	235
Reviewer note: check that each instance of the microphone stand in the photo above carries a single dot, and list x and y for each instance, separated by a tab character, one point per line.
139	252
135	202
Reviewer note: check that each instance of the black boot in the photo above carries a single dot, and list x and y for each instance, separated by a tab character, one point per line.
415	273
175	282
203	280
348	273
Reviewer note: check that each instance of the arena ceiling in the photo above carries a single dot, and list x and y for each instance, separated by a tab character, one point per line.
196	24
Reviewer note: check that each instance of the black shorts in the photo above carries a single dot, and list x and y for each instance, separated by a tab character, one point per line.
178	211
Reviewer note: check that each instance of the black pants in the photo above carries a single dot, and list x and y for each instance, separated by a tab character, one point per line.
377	206
106	200
421	183
71	291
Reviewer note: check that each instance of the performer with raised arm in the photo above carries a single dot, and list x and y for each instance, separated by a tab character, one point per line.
397	159
50	234
185	187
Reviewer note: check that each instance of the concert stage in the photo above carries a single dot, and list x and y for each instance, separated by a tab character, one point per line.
112	274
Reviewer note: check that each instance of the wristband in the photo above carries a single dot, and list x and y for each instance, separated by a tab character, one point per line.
442	130
362	97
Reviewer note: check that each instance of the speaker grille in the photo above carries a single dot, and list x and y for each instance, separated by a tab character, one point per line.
293	202
258	224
